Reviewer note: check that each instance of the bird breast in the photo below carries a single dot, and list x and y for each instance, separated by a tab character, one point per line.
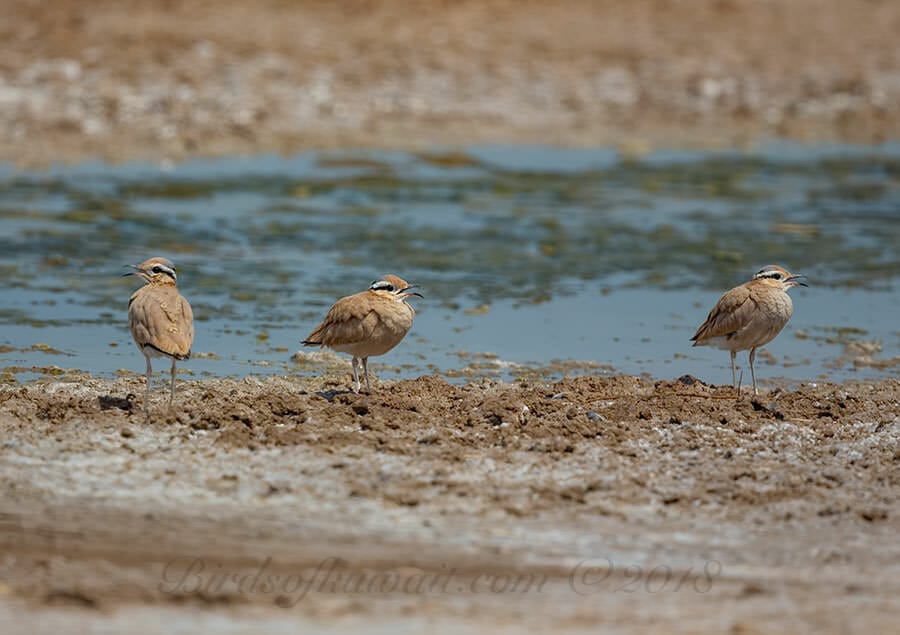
773	310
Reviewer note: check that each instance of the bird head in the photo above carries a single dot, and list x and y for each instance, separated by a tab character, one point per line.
395	287
779	277
154	271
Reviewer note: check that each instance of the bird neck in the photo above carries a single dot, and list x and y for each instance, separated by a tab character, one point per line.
162	282
765	283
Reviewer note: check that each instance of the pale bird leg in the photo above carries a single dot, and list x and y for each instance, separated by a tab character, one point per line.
753	374
172	389
365	361
147	395
355	364
733	369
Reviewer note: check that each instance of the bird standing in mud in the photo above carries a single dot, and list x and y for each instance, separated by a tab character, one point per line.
368	323
750	315
160	319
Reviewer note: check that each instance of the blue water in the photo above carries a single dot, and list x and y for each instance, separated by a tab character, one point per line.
530	258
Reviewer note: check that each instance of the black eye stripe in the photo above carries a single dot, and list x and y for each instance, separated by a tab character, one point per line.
158	269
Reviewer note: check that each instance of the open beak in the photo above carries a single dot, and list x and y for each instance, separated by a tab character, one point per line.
796	280
407	291
131	273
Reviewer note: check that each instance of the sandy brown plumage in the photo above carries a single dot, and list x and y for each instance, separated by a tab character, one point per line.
368	323
750	315
160	319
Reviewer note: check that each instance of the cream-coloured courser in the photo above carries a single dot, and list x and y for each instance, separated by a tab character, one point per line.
161	320
368	323
750	315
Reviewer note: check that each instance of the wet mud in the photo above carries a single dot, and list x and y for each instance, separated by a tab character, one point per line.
786	499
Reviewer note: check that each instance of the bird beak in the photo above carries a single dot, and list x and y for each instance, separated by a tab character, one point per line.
131	273
412	286
797	277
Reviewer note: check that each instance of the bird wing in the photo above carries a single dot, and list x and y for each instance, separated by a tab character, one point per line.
351	320
162	319
730	314
187	317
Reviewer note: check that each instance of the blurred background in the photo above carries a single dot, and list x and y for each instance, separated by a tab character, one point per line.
136	79
593	173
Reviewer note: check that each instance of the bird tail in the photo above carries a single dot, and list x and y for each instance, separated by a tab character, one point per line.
180	357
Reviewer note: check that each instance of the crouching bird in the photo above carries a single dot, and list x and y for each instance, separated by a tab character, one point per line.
368	323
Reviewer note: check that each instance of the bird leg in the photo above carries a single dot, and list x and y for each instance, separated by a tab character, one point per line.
355	364
365	361
752	373
733	370
172	389
147	394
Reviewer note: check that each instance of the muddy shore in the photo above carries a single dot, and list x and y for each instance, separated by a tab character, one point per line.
714	512
135	80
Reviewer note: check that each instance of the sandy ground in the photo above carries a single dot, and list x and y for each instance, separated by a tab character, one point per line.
125	79
261	505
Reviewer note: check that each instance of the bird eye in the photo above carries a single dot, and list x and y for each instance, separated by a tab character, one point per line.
389	287
776	275
156	269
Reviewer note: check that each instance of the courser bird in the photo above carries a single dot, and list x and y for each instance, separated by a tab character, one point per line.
750	315
368	323
160	319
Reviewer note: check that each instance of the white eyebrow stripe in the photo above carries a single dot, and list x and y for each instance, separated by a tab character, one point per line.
170	271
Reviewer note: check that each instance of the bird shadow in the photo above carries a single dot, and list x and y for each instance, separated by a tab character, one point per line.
329	395
108	402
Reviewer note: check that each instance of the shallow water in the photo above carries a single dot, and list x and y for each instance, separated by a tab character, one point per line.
533	261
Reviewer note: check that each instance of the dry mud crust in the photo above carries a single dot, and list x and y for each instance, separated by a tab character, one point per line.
123	79
775	514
